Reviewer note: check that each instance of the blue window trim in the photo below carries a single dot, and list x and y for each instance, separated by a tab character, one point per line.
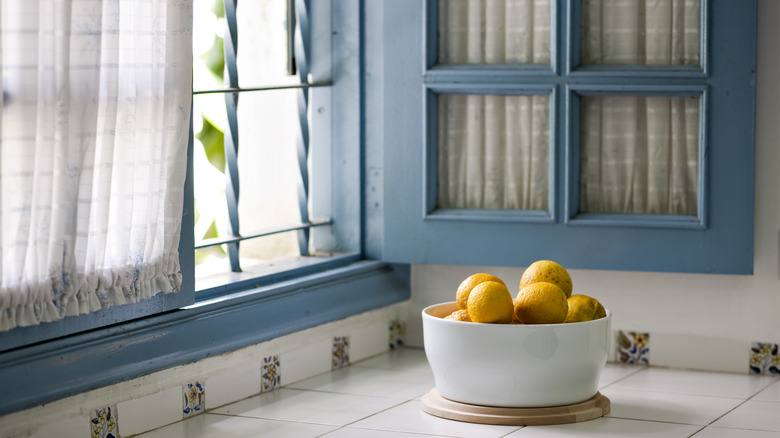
718	240
51	370
44	363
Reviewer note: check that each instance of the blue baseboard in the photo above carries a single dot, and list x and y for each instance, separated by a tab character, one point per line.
49	371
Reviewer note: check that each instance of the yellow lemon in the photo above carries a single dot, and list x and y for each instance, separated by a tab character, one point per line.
490	302
582	308
601	312
462	295
541	303
547	271
459	315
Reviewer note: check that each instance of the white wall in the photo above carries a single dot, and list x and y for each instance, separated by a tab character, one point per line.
682	312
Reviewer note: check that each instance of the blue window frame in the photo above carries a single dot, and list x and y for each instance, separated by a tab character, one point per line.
718	239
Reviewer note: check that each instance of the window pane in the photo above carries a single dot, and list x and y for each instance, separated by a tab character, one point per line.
494	31
639	154
268	168
262	43
493	151
641	32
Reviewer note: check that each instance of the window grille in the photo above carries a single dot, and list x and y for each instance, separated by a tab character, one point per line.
298	40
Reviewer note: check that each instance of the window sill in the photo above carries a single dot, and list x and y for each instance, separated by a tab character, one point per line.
63	367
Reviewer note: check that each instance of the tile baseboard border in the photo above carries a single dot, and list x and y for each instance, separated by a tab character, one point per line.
229	377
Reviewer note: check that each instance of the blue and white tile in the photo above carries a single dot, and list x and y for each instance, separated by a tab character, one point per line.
377	382
193	398
695	382
308	406
632	347
753	414
764	358
271	374
608	427
104	422
340	352
210	426
151	411
667	406
397	332
409	418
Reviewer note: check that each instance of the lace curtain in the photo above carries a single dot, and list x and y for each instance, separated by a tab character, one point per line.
95	124
638	153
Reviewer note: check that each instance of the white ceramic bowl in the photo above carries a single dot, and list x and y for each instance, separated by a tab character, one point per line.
514	365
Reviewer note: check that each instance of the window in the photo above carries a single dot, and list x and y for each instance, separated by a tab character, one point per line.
254	204
255	305
599	133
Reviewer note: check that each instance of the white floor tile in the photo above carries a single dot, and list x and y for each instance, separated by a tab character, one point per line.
308	406
221	426
410	418
614	372
350	432
378	382
719	432
667	407
402	359
753	414
771	393
695	382
608	427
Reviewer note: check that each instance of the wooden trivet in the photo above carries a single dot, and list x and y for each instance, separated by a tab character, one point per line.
434	404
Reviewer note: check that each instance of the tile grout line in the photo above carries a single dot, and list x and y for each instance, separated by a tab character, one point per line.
737	406
638	370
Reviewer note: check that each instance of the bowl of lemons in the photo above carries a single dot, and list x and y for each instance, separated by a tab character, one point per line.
543	346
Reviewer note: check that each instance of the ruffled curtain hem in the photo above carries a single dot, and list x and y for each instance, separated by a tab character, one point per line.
79	294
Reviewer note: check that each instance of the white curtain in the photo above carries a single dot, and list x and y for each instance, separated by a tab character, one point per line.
494	31
638	154
640	32
496	151
95	123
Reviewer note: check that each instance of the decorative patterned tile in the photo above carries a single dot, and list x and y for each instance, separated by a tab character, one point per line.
764	358
272	374
104	423
396	338
633	347
340	354
194	399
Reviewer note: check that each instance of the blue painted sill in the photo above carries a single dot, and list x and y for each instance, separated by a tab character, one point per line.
52	370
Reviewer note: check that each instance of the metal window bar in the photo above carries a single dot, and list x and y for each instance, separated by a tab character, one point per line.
299	36
231	133
301	48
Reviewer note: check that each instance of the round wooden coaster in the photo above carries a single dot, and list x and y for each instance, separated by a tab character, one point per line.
434	404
